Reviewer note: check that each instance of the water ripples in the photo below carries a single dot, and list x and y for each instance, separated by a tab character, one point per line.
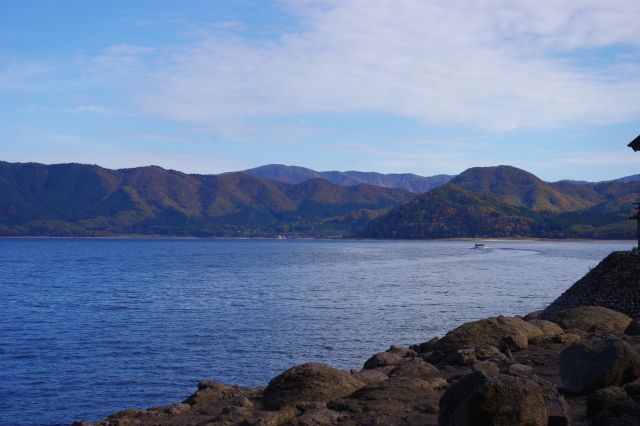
88	327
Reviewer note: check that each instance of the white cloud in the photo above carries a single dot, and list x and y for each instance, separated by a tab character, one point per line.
493	64
92	109
16	75
159	137
601	158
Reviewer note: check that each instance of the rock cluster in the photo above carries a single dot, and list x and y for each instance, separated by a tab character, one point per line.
559	367
498	371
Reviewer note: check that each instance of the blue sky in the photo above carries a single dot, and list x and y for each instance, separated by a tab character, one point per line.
379	85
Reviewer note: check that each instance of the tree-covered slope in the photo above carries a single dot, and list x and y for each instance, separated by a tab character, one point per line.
75	199
507	202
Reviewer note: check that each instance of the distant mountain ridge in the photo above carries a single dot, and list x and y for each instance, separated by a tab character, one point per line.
504	201
77	199
295	174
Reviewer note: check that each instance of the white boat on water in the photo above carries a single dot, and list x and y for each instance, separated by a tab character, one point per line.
480	246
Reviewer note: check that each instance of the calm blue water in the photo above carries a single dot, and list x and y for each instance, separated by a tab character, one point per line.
88	327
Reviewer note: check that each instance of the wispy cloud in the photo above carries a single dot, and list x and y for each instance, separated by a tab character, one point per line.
47	146
16	75
159	137
600	158
94	109
490	64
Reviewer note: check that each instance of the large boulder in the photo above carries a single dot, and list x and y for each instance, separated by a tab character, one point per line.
414	367
604	398
551	331
585	367
489	331
589	318
210	392
309	382
382	359
633	329
502	400
397	401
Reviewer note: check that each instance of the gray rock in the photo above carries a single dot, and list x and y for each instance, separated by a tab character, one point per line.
478	400
633	329
437	382
559	412
272	418
567	338
402	351
309	382
485	352
415	367
373	375
533	315
589	319
456	396
317	417
462	357
428	346
487	367
550	331
549	328
384	402
382	359
604	398
488	331
587	367
633	388
514	342
519	370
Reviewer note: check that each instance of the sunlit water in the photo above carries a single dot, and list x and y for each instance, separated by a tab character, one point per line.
88	327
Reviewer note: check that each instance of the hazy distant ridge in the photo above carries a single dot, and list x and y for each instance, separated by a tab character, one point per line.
294	174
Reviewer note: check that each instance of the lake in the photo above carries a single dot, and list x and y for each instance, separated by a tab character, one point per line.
92	326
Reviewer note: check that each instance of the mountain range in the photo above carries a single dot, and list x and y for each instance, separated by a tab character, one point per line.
77	199
503	201
295	174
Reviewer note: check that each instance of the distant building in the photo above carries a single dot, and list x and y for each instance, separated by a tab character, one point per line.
635	144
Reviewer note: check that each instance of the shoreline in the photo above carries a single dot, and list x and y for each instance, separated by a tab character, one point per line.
160	237
520	356
577	362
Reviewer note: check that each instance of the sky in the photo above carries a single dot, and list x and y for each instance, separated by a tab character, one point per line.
420	86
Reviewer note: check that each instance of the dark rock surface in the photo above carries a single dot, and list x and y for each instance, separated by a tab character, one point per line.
309	383
570	366
488	331
502	400
614	284
589	366
589	318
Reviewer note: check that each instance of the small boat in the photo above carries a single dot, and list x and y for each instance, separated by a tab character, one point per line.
480	246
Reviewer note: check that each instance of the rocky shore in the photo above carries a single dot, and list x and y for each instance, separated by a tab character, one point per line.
571	364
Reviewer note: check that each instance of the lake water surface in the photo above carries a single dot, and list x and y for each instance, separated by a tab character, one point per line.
88	327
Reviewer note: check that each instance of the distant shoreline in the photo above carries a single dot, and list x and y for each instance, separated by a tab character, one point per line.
162	237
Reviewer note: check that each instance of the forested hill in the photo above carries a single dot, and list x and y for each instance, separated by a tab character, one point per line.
505	201
77	199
